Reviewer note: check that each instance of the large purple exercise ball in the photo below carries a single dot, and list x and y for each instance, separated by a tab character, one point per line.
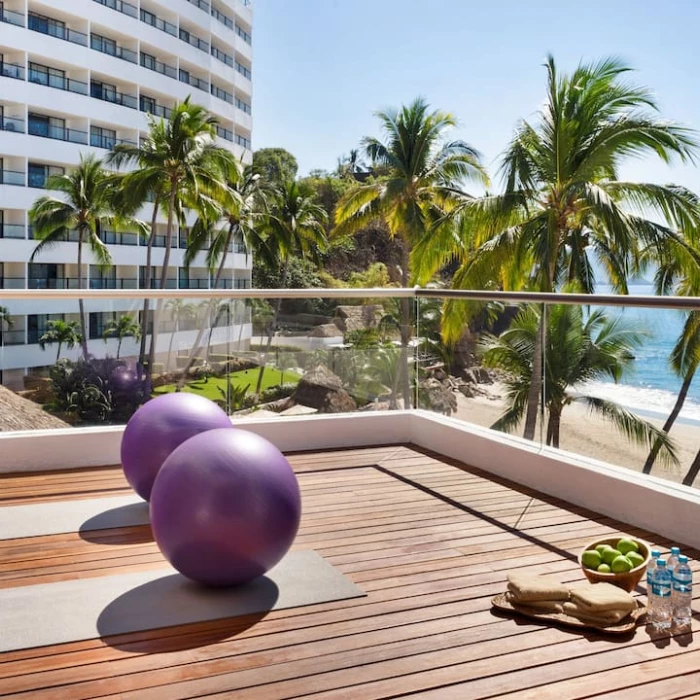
158	427
225	507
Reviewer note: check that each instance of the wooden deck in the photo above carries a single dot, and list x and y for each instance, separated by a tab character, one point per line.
428	541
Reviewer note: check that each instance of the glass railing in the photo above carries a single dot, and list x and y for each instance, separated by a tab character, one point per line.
125	8
192	80
224	133
70	236
603	388
13	231
57	81
223	57
12	124
114	283
12	17
12	337
149	62
12	177
201	4
193	284
154	21
245	72
60	133
11	70
193	40
244	34
53	28
119	238
243	106
108	142
221	94
114	96
221	17
156	110
106	46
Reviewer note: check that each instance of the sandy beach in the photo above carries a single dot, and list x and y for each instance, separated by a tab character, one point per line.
588	434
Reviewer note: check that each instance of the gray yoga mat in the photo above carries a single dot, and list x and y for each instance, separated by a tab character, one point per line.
72	516
70	611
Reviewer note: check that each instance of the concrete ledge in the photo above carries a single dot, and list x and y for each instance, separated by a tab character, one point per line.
666	508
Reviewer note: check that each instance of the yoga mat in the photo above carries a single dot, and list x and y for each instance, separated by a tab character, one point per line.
70	611
86	514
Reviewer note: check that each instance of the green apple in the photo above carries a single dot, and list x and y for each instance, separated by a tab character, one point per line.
626	545
609	555
591	558
603	569
621	564
636	558
601	547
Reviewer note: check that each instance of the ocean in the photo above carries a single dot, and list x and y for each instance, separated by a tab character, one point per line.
651	387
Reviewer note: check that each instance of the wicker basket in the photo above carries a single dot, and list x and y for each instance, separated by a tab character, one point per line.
627	580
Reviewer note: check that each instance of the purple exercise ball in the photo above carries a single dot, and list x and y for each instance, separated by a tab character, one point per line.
158	427
225	507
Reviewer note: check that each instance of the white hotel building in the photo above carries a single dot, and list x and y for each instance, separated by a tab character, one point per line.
78	76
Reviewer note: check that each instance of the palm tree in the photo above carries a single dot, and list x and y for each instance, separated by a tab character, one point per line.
177	163
235	212
580	348
564	204
178	310
63	333
5	321
296	225
121	328
86	205
423	184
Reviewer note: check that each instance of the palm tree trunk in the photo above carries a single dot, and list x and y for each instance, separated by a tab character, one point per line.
680	400
58	354
689	478
405	328
172	338
81	303
273	326
119	345
200	334
533	395
163	278
554	426
147	283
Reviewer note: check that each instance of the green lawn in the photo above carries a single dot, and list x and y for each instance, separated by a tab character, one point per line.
210	388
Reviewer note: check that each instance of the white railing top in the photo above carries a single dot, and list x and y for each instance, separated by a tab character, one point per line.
660	302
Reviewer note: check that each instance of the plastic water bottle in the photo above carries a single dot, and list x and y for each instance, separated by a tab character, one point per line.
661	597
673	559
682	593
655	554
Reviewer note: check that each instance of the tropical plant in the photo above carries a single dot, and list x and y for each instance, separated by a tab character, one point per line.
176	164
61	333
425	174
121	328
295	226
276	165
6	321
564	204
86	205
580	348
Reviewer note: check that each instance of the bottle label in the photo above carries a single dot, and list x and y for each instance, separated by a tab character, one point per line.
661	590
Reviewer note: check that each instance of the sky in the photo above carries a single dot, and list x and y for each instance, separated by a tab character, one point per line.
322	67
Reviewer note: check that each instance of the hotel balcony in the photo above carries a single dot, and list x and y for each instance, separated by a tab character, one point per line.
425	509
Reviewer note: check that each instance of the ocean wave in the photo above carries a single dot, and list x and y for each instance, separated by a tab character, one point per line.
654	402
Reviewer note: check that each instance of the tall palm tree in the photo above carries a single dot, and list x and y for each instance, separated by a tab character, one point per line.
425	174
234	212
579	348
121	328
176	163
62	333
86	205
564	204
178	310
296	225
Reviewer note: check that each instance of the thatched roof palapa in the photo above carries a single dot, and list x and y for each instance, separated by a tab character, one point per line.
17	413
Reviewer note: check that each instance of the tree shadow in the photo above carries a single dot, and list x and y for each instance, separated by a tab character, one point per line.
173	613
122	525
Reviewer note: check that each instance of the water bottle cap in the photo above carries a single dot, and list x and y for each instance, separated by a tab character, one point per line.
682	559
655	553
661	563
675	551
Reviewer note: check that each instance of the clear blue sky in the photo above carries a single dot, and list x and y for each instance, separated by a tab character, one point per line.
322	67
